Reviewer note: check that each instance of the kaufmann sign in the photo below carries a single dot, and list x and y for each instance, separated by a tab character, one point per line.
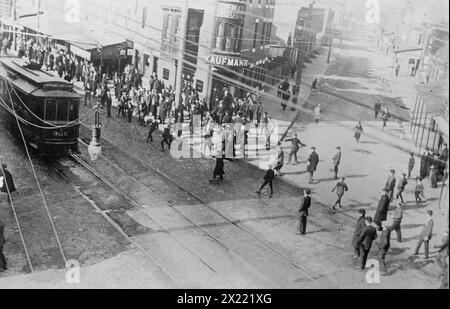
225	61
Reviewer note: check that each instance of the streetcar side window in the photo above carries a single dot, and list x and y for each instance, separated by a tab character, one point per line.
50	110
73	110
63	110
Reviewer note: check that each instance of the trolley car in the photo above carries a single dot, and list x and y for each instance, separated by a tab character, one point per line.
47	105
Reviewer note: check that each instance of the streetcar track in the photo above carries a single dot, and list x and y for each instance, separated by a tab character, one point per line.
140	208
233	223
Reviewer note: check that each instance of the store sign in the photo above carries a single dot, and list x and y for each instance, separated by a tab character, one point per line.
230	10
226	61
199	86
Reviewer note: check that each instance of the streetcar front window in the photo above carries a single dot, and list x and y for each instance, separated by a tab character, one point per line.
50	110
73	111
63	111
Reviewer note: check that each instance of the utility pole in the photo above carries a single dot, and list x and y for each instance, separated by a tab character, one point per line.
38	14
179	69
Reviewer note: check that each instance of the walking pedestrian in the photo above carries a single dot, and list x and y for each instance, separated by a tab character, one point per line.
397	221
167	138
313	162
219	169
314	86
368	236
359	228
390	185
280	161
382	209
3	264
442	260
336	162
425	235
296	144
403	182
397	70
419	191
377	108
153	127
358	131
268	180
317	112
411	164
6	182
305	204
340	188
384	246
385	117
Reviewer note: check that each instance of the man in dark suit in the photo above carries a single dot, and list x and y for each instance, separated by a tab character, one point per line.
382	210
384	246
403	182
426	234
6	182
360	225
336	162
2	243
390	185
313	161
368	235
268	180
296	143
305	204
340	188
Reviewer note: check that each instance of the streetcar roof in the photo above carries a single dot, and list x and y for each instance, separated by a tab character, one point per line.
36	82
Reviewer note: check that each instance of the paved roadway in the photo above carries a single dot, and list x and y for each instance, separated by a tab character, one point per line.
198	235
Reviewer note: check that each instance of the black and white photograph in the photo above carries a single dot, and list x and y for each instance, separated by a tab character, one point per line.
224	145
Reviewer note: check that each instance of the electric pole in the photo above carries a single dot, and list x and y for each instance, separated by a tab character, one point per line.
39	14
179	70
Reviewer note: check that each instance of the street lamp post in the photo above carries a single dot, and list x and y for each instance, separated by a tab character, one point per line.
95	148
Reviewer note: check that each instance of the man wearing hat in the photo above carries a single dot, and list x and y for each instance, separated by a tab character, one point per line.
426	234
305	204
336	162
6	182
2	243
384	246
390	185
360	225
313	161
340	188
368	235
268	180
401	187
396	225
296	143
382	210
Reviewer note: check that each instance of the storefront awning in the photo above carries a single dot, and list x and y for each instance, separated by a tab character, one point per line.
442	125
